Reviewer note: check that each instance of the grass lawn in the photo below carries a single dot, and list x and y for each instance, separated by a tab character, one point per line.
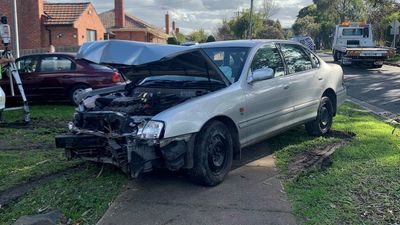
29	153
395	58
363	184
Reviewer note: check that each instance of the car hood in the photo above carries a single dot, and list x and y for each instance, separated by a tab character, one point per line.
131	54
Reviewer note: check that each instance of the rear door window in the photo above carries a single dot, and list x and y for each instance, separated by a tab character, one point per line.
296	58
56	64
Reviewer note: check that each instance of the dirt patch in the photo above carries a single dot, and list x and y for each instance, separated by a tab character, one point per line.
340	134
13	193
319	157
25	145
36	123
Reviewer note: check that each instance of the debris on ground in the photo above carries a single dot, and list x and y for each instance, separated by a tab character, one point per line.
50	218
319	157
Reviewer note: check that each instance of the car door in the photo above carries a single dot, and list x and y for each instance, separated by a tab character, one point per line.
27	68
304	90
53	69
268	107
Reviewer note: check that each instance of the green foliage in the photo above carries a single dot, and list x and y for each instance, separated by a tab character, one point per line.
210	38
306	26
224	31
240	25
271	30
172	41
198	36
181	38
310	10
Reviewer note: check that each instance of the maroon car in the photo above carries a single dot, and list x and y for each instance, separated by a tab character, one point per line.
59	76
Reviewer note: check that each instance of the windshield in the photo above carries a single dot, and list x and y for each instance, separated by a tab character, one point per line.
230	60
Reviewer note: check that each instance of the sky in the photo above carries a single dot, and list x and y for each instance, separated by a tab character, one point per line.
192	15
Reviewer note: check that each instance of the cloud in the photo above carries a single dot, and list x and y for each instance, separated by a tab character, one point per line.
195	14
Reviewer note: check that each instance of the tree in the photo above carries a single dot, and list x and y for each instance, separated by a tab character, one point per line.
240	25
306	26
198	36
269	9
271	30
310	10
210	38
224	32
172	41
342	10
180	37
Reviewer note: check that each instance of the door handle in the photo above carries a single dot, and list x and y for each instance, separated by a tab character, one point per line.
286	87
320	78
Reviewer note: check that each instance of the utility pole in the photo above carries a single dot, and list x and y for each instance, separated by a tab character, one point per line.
16	35
250	36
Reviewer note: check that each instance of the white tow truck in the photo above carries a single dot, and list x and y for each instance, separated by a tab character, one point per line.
353	43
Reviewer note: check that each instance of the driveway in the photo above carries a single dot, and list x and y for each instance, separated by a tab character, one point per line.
251	194
378	87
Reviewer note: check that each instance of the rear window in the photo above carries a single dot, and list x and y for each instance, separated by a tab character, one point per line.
100	67
352	32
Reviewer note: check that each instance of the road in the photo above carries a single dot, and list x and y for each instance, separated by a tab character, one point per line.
378	87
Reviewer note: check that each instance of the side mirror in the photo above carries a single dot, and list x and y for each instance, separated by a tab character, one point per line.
261	74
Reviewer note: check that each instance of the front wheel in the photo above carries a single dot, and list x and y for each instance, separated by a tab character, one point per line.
323	123
213	154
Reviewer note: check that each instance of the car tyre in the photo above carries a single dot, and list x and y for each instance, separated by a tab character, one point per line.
213	154
323	123
335	56
75	91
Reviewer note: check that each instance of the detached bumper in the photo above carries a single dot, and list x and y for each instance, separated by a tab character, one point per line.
132	155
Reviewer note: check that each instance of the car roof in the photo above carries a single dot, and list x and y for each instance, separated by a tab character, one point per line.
241	43
51	54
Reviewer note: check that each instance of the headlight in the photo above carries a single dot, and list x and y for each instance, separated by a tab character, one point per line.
152	130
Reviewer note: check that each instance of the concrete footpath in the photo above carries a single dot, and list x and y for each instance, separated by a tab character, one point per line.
251	194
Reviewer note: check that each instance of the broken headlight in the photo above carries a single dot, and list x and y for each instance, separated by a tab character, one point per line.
152	130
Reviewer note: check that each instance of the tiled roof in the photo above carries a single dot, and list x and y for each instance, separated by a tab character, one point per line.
63	13
108	19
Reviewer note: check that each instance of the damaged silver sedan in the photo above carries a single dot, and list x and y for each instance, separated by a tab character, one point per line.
194	108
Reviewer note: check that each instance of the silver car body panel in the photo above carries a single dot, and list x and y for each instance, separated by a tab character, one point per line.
270	106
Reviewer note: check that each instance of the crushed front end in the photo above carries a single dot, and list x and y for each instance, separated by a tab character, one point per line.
111	132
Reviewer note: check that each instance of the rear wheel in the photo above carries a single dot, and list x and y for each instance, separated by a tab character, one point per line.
323	123
213	154
75	92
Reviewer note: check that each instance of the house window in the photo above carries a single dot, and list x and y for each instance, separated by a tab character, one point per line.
91	35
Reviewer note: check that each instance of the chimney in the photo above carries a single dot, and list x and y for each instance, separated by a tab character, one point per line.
119	12
177	30
167	23
173	26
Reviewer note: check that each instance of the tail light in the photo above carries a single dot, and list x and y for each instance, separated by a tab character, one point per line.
116	77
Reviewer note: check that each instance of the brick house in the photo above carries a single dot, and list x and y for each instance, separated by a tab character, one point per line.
60	24
120	25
